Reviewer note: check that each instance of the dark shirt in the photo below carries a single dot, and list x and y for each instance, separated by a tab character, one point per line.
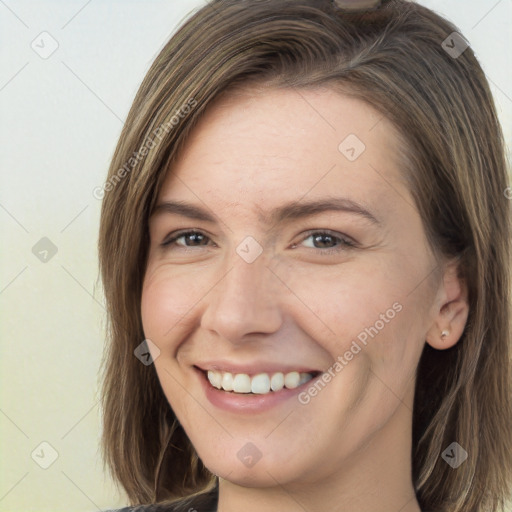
205	503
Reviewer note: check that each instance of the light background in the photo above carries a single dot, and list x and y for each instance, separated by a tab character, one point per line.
60	118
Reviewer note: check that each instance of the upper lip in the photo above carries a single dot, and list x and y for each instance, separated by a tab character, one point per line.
254	367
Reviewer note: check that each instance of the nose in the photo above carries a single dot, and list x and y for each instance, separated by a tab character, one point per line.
245	300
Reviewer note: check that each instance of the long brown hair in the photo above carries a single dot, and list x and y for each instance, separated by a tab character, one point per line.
406	62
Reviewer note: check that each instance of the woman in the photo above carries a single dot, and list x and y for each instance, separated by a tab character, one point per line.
250	365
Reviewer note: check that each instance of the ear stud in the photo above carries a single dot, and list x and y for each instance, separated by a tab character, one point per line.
444	334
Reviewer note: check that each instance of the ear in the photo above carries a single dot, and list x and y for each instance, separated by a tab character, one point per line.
452	310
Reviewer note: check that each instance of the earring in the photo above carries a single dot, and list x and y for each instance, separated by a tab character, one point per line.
444	334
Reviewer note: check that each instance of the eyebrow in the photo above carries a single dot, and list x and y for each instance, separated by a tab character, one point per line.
289	211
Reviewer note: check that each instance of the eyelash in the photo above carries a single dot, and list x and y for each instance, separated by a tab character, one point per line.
345	242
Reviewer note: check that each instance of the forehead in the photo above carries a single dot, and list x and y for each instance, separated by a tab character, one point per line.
261	147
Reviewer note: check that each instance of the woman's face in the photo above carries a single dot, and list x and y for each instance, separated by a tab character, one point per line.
274	284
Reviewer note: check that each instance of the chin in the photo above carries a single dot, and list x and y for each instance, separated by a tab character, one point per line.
268	471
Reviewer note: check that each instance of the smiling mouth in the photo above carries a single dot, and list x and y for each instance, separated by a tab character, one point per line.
258	384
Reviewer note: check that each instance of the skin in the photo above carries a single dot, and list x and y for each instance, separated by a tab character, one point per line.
349	448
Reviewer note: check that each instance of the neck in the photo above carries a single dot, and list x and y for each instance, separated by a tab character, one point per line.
375	478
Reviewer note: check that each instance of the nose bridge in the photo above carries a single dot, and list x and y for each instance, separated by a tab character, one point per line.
246	299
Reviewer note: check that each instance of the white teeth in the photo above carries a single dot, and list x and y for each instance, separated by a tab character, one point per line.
215	379
227	382
242	383
304	377
291	380
260	384
277	381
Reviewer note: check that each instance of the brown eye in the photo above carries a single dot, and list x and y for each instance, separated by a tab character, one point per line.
194	236
329	238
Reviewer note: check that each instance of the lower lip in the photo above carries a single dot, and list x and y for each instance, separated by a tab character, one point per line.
248	403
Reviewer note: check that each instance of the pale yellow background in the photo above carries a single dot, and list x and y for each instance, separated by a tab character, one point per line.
59	121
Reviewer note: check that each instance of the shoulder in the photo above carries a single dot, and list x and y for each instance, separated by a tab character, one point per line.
160	508
141	508
144	508
204	503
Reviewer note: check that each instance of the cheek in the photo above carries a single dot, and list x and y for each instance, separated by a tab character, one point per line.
336	303
165	302
364	311
164	307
